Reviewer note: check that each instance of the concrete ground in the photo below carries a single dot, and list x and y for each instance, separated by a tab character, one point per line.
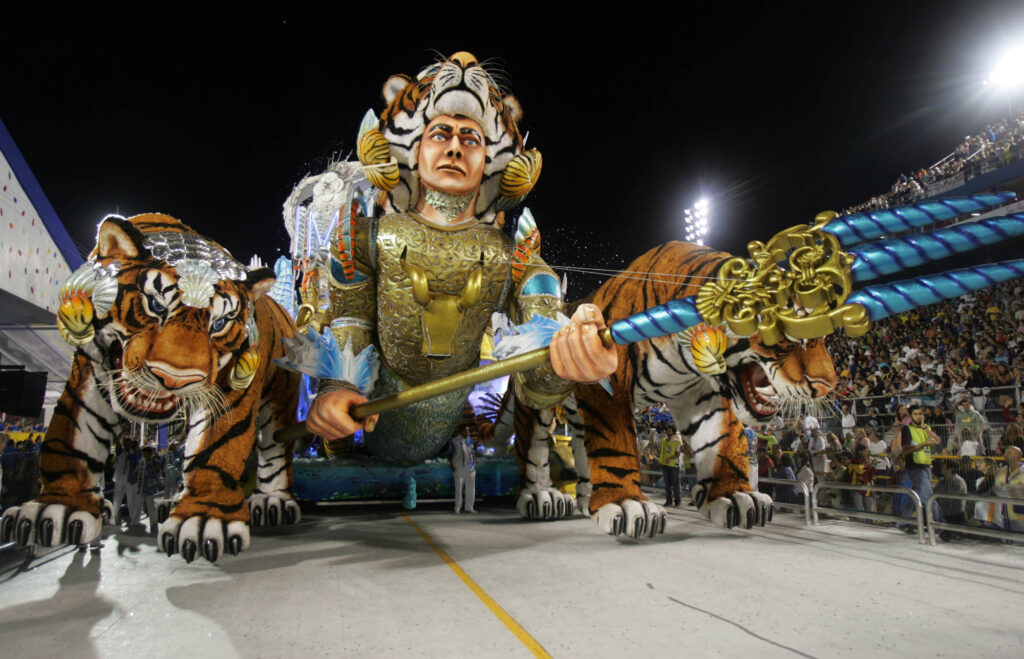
368	581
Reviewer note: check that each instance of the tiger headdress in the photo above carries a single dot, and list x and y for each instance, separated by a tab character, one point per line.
168	323
458	86
709	410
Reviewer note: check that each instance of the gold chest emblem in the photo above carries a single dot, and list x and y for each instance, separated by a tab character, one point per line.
436	291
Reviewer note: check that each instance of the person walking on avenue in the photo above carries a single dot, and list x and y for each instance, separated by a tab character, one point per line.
151	483
464	469
668	458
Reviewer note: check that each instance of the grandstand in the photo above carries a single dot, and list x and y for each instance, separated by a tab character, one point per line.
990	160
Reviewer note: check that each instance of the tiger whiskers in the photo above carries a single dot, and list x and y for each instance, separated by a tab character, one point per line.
210	398
137	384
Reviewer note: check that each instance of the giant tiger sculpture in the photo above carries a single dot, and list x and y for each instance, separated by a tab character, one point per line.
167	323
768	315
709	410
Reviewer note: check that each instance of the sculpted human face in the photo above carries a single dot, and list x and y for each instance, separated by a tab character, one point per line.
452	156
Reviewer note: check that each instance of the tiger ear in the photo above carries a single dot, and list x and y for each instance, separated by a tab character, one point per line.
260	281
515	111
118	238
394	86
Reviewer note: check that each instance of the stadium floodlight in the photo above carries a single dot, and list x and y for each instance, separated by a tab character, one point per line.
1009	70
695	221
1008	74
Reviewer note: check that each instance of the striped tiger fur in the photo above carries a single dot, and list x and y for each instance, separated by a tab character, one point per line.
709	410
154	357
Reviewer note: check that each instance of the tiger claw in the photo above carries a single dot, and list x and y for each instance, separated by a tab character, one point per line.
700	495
273	509
48	525
106	511
167	540
545	504
635	519
45	531
24	532
203	537
188	551
210	551
75	533
7	526
740	509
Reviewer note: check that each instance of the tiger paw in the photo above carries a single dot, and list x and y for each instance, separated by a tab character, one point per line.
746	509
163	509
273	509
199	535
547	503
50	525
635	519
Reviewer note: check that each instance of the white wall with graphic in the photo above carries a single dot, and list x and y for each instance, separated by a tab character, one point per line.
31	266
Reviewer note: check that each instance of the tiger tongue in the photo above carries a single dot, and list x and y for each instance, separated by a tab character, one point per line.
758	378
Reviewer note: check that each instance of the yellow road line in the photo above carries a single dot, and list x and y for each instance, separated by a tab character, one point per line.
530	642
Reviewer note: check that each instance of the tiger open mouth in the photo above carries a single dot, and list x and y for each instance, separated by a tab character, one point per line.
761	396
146	401
143	401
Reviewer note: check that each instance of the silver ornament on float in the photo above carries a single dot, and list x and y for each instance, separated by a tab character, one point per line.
175	248
196	281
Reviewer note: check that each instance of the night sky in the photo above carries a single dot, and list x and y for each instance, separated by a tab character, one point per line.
772	112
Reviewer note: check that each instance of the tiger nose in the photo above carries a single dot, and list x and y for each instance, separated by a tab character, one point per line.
464	59
175	378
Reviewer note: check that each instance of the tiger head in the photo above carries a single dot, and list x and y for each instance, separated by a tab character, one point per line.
458	86
764	378
165	312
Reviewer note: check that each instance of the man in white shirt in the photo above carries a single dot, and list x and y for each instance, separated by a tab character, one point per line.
817	447
810	423
878	449
848	419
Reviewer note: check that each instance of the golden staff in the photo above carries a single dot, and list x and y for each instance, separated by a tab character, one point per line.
473	376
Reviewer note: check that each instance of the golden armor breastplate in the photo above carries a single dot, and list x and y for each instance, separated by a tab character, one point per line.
436	291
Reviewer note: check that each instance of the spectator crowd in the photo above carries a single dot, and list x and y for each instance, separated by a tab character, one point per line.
1000	143
956	366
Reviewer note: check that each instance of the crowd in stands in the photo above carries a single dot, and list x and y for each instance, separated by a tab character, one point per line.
962	360
1001	143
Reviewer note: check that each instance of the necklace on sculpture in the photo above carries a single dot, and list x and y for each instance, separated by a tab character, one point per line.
448	204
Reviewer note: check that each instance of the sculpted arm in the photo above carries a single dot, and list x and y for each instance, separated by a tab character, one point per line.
577	354
353	318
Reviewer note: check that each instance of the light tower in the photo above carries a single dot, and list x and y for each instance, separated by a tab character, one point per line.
1008	74
696	222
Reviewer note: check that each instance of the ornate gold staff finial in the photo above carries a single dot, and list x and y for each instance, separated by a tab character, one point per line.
795	285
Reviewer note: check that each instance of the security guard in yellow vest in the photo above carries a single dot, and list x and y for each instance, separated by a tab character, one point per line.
916	442
671	448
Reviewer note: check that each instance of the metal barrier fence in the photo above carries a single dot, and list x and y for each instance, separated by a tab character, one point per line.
914	498
923	517
935	397
963	528
785	505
